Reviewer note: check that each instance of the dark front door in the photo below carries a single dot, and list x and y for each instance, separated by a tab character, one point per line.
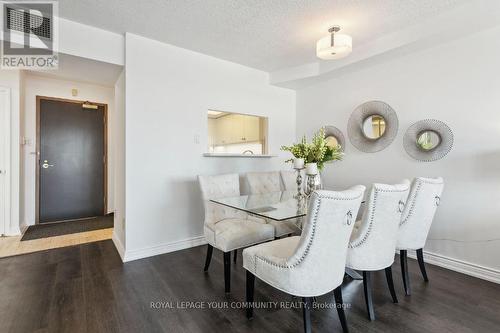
72	161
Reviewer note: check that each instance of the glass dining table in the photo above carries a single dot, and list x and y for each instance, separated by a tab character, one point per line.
277	206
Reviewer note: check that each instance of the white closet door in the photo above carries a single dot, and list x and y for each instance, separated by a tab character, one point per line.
4	160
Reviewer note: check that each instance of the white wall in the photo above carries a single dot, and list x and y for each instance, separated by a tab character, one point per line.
119	158
457	83
90	42
12	79
168	92
49	87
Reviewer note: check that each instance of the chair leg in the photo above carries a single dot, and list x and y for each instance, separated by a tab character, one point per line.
210	250
390	282
339	304
403	257
250	293
420	257
227	271
353	274
367	286
235	254
306	313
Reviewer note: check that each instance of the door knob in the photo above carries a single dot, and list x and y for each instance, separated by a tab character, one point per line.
46	165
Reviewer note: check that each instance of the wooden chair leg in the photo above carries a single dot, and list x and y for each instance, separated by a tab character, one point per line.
339	304
250	293
210	250
227	271
390	282
235	254
367	286
403	257
420	257
306	313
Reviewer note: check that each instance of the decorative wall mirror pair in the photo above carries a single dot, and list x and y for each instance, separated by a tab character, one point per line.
373	126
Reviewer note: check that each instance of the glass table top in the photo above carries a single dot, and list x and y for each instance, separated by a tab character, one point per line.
278	206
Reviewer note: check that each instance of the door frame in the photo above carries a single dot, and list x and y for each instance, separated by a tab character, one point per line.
105	157
7	158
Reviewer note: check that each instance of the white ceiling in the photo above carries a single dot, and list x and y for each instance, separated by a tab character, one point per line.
82	70
265	34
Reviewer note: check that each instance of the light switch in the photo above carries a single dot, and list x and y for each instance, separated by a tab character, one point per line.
74	92
197	139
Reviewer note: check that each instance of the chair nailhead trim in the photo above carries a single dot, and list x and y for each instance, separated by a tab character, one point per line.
313	233
414	200
372	217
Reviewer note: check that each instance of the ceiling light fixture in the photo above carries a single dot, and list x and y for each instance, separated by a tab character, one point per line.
334	46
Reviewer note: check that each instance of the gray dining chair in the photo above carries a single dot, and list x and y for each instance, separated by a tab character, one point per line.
269	182
424	198
312	264
289	180
373	242
225	228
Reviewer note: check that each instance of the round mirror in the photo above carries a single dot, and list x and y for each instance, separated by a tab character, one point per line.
332	141
374	127
428	140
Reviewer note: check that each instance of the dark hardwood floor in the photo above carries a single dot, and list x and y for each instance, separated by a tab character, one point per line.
86	288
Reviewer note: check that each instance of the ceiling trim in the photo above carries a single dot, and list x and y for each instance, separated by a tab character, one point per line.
478	15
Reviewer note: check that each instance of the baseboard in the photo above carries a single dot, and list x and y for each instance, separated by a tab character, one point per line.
163	248
118	244
460	266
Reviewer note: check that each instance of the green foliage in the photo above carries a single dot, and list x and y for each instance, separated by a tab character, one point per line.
315	152
298	150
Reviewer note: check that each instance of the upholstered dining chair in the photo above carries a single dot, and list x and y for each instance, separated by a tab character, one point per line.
424	198
312	264
268	182
289	179
373	242
263	182
225	228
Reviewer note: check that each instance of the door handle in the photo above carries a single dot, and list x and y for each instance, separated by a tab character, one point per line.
46	165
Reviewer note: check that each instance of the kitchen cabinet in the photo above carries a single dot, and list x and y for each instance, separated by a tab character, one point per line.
251	128
236	128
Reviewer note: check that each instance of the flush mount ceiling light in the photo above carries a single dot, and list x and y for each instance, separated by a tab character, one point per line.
334	46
